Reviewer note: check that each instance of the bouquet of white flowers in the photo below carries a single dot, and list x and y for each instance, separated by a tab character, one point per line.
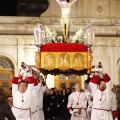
50	35
78	37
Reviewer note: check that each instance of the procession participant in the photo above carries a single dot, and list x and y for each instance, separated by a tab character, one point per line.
90	102
5	109
116	89
68	93
63	103
35	115
25	69
46	103
22	98
65	18
77	103
40	90
104	100
51	108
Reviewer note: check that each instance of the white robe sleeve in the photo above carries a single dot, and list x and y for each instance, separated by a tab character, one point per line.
94	87
41	88
69	105
87	94
114	106
94	82
38	88
15	85
14	88
44	88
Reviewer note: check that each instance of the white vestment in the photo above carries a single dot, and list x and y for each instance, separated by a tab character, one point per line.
101	107
78	100
90	102
40	92
22	102
103	103
34	104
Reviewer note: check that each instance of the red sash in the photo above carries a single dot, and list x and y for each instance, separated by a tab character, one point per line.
24	109
101	109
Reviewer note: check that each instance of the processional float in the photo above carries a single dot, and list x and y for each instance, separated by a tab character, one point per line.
61	57
66	56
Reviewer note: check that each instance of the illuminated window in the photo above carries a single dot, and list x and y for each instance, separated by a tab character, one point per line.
6	63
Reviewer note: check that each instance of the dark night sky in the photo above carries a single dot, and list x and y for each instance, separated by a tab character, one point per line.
8	7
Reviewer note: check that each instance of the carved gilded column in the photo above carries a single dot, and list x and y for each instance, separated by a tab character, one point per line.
38	61
89	61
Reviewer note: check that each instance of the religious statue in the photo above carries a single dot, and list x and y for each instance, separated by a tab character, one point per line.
65	17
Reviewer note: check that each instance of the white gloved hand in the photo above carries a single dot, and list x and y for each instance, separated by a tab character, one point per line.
100	69
97	73
71	112
116	119
96	68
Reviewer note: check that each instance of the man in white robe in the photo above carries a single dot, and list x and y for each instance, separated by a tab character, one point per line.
23	71
22	98
37	86
104	100
90	102
77	103
40	94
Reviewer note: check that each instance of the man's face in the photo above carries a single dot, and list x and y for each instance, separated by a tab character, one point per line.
22	87
68	90
51	92
77	86
102	86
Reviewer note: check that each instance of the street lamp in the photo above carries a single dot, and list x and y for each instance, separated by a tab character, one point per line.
39	35
89	34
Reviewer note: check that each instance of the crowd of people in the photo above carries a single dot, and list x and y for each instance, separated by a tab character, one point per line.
55	103
30	99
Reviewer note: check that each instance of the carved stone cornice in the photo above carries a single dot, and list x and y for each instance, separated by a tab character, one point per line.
25	25
107	41
27	29
16	40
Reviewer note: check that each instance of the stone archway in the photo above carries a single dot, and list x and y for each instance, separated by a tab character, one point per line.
6	71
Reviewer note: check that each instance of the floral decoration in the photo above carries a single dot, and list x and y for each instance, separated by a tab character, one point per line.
78	37
52	44
50	35
64	47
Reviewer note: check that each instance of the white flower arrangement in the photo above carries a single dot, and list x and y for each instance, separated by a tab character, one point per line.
50	35
78	37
